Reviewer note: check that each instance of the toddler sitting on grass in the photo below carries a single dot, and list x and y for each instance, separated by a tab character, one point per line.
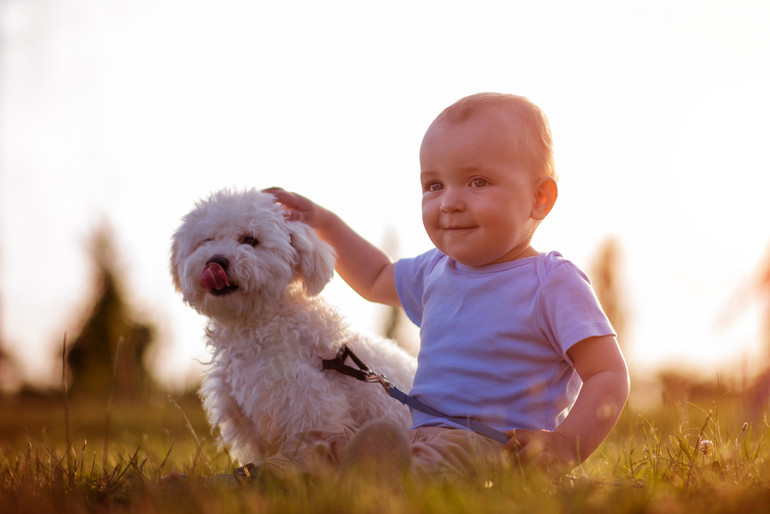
510	337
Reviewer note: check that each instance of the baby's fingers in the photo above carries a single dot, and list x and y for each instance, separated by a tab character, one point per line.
296	207
535	452
539	449
281	195
520	438
527	444
516	440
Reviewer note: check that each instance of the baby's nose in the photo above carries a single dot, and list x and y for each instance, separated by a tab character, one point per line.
452	201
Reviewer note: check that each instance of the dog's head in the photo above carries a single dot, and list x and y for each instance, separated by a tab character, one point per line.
235	255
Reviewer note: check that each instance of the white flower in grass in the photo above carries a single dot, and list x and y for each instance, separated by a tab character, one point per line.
706	446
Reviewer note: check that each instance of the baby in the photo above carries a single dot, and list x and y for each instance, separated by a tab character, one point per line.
510	337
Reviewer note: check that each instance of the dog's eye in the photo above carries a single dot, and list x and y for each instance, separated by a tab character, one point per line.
249	240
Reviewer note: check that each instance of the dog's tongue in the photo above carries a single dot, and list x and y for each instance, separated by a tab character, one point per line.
214	277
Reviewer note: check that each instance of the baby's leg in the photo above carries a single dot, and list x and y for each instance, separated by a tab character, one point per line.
379	449
449	454
315	452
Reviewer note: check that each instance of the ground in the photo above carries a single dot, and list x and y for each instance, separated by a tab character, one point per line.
704	449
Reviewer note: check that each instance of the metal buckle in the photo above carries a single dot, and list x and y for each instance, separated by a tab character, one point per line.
373	377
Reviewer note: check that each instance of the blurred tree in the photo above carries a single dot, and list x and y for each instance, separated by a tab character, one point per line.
395	324
605	276
91	357
393	317
10	377
748	294
763	291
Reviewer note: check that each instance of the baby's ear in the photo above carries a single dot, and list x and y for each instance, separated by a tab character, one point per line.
546	192
315	258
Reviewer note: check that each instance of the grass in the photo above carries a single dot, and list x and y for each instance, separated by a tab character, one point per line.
706	456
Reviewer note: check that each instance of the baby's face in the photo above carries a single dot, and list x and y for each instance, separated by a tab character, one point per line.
477	200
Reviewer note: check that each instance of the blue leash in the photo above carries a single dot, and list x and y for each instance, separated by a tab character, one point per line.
364	373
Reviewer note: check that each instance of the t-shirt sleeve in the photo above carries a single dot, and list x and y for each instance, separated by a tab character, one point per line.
569	309
409	276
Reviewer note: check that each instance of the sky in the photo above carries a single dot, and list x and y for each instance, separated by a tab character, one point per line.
126	113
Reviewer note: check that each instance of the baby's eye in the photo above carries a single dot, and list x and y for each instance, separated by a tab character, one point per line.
249	240
478	182
432	186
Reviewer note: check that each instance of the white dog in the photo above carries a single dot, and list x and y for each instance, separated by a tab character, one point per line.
255	275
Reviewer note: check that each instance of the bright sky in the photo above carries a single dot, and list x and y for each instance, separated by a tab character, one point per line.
130	112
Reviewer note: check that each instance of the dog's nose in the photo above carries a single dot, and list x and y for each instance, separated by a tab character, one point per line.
218	259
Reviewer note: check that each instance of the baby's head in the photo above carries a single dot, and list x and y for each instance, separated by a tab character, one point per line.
529	131
488	178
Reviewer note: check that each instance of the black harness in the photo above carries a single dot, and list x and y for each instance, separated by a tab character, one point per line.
364	373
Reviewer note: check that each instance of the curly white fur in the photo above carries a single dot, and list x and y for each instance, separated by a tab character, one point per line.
255	275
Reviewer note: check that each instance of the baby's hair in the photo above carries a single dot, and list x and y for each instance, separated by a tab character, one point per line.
532	134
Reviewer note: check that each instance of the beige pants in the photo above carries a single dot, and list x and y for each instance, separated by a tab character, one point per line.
437	453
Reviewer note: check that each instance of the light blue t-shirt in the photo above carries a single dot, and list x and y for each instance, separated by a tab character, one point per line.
494	338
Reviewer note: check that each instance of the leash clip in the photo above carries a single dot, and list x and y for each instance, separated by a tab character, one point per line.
363	372
373	378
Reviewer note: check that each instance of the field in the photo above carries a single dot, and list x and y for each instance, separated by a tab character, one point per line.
708	454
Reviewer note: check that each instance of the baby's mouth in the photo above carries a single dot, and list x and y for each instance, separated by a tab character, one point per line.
214	280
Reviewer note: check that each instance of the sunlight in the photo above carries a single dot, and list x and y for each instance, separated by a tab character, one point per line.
660	126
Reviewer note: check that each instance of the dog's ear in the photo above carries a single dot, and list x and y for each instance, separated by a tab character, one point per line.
173	263
315	258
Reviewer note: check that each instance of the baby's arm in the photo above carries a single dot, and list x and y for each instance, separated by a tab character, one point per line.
601	366
366	268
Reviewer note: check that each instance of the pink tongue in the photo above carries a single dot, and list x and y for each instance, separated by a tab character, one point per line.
214	277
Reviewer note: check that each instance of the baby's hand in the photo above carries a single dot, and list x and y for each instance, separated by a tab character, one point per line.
296	207
550	451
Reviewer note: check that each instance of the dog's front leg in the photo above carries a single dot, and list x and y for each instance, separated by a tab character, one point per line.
224	413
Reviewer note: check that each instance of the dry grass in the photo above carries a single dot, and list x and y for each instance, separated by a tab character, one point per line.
709	457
